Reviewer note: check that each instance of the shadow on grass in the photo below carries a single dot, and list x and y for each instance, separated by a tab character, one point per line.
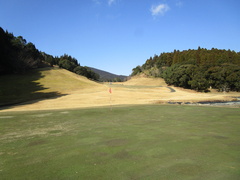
23	89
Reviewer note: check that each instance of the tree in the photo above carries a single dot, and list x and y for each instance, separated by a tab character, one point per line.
85	71
66	64
187	68
136	70
17	55
199	82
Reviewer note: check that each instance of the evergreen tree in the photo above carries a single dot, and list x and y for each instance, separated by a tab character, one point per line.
196	69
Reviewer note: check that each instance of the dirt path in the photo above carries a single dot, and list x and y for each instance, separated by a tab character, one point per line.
171	89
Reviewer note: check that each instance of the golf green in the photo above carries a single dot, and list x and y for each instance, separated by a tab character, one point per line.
129	142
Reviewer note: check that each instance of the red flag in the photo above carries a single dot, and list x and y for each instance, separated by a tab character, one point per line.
110	90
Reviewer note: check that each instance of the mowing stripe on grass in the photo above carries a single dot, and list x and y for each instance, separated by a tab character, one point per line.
6	117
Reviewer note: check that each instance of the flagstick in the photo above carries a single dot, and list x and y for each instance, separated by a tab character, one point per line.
111	101
110	91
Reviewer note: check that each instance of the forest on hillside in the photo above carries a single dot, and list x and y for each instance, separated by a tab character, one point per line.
19	56
198	69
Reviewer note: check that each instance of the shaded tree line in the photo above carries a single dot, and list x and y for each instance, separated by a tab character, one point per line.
196	69
18	56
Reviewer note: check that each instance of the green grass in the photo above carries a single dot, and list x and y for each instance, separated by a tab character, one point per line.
134	142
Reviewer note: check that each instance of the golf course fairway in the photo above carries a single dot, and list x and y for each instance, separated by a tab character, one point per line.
128	142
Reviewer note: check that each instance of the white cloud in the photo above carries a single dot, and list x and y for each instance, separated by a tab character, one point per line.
110	2
160	9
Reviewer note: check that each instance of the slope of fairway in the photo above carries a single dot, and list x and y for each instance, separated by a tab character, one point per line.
40	84
73	91
64	81
144	81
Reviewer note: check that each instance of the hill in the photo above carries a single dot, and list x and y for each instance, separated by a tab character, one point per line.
199	69
18	56
41	84
107	76
51	88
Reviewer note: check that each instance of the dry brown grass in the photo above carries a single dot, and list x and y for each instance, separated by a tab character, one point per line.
144	81
82	92
64	81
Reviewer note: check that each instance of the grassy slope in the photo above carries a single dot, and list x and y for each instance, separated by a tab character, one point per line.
40	83
135	142
73	91
144	81
65	81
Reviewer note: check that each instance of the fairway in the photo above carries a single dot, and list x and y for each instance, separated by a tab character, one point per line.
54	88
130	142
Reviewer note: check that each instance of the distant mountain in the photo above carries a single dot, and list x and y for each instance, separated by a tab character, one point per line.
107	76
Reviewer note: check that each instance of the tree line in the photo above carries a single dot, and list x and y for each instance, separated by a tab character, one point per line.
18	56
198	69
71	64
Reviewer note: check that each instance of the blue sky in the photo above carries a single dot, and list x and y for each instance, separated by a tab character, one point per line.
118	35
